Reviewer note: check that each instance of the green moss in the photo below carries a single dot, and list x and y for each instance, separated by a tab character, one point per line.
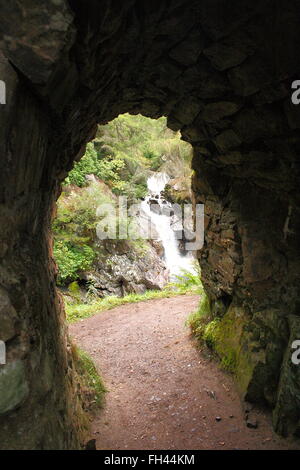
211	333
223	336
179	196
73	287
250	347
199	319
227	337
229	362
92	387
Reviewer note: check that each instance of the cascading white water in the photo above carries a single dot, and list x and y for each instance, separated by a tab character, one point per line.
156	183
175	262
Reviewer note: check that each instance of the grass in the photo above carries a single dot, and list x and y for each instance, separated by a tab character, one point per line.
186	283
198	320
80	311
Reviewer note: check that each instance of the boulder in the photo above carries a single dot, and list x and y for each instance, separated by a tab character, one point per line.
132	271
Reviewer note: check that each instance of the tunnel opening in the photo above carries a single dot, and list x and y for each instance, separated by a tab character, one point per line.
143	162
224	79
124	221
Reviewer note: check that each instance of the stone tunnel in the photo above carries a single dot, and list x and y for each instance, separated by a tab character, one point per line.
221	71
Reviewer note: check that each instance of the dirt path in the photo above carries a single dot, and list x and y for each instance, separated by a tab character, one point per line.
163	392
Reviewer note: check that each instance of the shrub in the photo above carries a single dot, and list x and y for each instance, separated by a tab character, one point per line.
106	169
75	230
71	259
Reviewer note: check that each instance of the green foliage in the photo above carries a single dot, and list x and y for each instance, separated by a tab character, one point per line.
75	230
199	319
121	156
229	362
132	191
210	332
125	150
141	139
144	145
73	287
71	259
204	307
90	163
188	281
76	217
154	157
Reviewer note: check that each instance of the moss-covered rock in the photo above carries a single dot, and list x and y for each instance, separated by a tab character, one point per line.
178	190
223	336
251	347
199	319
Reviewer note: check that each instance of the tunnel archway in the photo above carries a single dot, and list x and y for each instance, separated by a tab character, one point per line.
222	74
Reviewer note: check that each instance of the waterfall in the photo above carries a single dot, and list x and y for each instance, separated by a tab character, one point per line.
158	210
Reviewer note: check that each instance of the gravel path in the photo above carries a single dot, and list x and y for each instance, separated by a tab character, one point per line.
163	392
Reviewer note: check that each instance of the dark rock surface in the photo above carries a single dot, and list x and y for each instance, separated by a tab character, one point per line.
221	71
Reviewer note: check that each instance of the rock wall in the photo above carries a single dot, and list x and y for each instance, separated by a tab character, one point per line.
37	376
221	71
126	268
